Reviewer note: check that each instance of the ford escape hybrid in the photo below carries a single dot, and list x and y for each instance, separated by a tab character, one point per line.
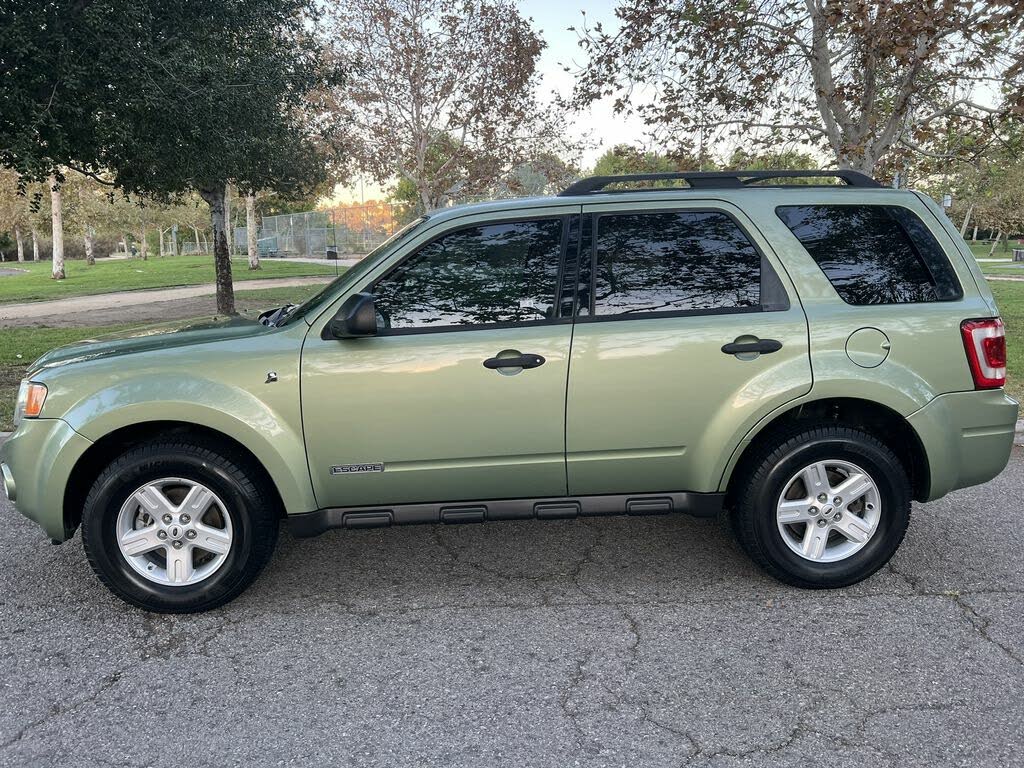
804	358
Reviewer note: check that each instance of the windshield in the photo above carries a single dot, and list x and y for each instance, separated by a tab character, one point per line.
353	273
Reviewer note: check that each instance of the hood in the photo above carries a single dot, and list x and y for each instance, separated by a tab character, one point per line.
149	338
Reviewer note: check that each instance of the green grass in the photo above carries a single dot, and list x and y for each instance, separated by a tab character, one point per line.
980	251
134	274
20	346
1010	297
275	297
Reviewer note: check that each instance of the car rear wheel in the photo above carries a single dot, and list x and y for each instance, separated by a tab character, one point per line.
824	506
174	526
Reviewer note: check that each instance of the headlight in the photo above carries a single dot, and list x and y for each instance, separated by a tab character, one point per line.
31	396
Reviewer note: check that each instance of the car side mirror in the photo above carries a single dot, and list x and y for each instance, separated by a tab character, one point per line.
357	317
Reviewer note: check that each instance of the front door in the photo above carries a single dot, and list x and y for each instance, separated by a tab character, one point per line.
461	395
688	332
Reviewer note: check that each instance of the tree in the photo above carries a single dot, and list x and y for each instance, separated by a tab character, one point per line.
187	96
57	233
441	93
543	174
14	211
250	231
859	80
623	158
788	159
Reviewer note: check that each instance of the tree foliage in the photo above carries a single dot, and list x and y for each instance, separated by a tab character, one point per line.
441	93
160	97
857	79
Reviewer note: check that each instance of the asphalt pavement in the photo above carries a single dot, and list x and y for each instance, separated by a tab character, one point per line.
602	642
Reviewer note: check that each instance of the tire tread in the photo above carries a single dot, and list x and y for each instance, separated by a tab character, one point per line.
264	515
761	463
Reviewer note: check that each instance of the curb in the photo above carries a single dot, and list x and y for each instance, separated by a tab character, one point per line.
1018	437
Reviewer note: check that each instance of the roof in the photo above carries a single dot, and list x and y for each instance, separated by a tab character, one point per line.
727	183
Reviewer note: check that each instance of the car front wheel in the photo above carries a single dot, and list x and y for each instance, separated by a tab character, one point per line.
175	526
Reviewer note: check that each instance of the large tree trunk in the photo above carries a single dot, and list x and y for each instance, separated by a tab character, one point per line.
21	243
58	231
250	231
227	219
974	234
143	246
90	258
174	240
35	244
214	197
995	243
967	219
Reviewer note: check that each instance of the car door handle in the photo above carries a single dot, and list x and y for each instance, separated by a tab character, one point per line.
520	361
764	347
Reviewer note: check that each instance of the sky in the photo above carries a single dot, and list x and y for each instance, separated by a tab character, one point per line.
552	18
599	124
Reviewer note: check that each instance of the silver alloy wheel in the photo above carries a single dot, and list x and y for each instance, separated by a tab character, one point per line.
828	511
174	531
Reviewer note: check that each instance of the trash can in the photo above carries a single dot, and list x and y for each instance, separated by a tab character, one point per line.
332	254
1018	254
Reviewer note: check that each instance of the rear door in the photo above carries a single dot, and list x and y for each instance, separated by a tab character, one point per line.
687	332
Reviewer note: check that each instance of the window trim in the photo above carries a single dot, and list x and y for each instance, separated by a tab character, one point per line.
931	274
766	267
558	319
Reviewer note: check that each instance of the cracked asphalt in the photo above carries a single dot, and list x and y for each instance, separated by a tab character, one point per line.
600	642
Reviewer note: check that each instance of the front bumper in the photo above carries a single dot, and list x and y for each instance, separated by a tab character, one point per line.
39	457
967	436
10	489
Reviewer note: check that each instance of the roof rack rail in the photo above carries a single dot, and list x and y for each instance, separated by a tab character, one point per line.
713	179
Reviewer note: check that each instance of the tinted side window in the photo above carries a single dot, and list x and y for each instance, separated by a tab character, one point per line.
674	261
874	254
497	273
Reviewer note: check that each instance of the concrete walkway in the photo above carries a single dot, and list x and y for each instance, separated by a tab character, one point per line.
134	298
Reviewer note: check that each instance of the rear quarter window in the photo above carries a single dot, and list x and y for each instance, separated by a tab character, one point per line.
874	254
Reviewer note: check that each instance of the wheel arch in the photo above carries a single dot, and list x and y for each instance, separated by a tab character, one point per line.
105	449
881	421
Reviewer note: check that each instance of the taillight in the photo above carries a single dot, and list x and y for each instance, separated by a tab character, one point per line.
985	342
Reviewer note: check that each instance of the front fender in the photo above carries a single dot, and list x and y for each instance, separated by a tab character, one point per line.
273	437
225	386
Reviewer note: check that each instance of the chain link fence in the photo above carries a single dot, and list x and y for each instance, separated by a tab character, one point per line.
329	234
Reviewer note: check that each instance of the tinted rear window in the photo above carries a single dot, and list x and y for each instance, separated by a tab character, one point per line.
874	254
678	261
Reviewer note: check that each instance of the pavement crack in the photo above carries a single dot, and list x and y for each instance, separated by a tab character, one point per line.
571	714
981	625
57	710
771	748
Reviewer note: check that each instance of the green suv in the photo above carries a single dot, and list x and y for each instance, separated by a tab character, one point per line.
803	357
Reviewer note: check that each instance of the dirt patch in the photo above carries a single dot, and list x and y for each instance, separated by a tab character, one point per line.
155	312
10	271
11	375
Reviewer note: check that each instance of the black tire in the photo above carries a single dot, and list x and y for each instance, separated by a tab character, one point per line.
759	488
249	501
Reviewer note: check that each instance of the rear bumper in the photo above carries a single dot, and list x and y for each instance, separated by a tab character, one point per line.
967	436
39	458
